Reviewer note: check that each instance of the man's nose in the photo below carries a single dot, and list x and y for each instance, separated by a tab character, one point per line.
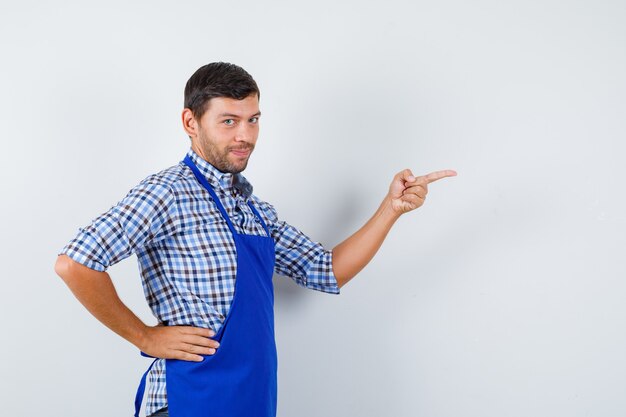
245	133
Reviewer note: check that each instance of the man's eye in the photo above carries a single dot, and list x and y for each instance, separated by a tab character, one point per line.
254	119
229	122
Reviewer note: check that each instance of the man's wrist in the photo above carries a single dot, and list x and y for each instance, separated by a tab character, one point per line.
386	212
140	336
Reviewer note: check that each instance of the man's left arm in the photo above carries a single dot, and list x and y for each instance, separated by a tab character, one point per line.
406	193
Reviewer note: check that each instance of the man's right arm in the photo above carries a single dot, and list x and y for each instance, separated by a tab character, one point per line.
146	215
95	290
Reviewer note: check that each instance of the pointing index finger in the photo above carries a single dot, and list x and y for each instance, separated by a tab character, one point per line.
437	175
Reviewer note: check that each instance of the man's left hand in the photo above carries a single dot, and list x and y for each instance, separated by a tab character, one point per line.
408	192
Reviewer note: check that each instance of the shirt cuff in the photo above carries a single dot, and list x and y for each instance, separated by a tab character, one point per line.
321	277
82	250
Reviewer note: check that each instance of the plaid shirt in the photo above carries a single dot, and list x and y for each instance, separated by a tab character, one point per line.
186	252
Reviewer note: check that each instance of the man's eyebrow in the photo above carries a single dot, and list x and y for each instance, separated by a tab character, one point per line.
236	115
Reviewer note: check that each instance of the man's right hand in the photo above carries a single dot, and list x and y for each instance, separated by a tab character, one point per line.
95	290
178	342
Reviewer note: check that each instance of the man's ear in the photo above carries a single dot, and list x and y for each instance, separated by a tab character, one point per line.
189	123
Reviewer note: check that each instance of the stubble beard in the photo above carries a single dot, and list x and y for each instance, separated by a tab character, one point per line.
219	159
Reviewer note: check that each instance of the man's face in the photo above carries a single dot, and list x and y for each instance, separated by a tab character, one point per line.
227	132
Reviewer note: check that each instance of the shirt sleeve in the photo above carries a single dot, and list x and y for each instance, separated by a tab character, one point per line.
146	215
298	257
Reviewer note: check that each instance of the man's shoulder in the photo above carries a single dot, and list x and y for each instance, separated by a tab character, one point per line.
175	179
166	186
167	177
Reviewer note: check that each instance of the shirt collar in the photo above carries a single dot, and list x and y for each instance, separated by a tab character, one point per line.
235	184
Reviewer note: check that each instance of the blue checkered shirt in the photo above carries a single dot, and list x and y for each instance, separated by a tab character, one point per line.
186	252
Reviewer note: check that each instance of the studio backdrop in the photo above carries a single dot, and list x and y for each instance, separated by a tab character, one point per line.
502	296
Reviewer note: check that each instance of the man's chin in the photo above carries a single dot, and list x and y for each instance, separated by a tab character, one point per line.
239	165
236	168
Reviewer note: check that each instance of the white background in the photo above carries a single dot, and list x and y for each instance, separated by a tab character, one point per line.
502	296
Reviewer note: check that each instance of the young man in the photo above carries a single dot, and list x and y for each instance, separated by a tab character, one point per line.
207	249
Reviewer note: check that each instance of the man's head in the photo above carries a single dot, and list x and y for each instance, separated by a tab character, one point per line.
221	115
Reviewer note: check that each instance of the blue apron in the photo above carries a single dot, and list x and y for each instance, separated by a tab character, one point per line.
240	379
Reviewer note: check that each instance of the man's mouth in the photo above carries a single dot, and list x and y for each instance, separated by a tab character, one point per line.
241	152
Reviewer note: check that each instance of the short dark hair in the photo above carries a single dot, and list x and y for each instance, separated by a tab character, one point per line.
217	79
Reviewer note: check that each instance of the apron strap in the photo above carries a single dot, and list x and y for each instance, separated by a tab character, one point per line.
202	179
